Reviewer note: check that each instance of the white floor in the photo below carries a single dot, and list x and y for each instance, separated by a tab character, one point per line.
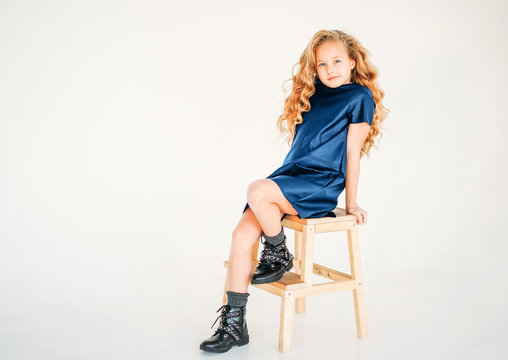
409	317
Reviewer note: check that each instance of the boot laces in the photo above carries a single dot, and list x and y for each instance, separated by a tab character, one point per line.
275	253
227	325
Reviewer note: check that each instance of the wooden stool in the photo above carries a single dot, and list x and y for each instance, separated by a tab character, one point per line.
295	286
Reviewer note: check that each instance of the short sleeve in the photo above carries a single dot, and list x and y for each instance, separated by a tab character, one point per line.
361	108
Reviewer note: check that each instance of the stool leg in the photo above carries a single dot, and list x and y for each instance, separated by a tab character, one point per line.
286	313
308	253
255	250
299	301
226	285
356	272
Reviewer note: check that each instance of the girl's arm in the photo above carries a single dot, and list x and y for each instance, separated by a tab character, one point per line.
357	133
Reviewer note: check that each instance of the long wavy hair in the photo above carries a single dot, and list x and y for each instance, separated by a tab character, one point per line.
364	73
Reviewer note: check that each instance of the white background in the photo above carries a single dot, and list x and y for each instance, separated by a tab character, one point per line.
130	130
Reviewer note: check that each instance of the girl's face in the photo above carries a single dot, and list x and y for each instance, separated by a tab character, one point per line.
333	65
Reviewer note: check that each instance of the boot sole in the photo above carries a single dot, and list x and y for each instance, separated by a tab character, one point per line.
273	278
241	342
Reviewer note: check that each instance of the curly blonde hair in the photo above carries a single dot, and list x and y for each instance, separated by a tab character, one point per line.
364	73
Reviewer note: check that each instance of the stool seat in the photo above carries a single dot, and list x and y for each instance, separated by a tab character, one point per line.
295	285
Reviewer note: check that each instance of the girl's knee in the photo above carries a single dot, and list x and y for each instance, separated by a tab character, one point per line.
257	191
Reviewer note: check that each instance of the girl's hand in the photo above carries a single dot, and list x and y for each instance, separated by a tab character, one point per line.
360	214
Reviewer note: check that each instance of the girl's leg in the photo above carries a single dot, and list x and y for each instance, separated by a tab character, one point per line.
267	202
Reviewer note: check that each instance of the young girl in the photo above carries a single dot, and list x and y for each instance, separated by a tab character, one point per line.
332	115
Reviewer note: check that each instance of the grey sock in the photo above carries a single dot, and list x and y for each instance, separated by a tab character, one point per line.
237	299
277	239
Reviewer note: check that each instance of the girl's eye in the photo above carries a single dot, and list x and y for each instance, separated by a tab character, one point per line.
324	63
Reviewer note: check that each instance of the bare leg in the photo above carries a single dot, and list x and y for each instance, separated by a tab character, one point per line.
267	201
262	195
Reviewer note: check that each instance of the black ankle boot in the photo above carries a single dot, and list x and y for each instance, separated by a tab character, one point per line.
273	262
232	330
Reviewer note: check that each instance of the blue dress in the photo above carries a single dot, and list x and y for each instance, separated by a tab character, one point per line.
313	174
